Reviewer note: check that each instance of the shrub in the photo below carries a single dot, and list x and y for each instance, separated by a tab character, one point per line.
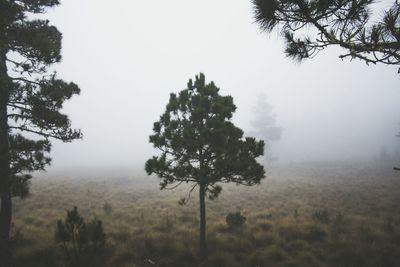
235	220
322	216
82	243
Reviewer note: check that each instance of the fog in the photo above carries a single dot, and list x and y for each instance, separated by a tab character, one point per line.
128	56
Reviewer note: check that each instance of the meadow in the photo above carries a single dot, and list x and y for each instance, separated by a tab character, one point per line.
336	215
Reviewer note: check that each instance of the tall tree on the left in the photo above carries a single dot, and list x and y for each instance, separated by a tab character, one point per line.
31	99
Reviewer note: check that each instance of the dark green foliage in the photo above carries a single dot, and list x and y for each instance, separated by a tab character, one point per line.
235	220
31	100
345	23
82	243
201	146
33	96
199	143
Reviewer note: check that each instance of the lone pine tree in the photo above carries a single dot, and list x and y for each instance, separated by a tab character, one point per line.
344	23
31	99
200	146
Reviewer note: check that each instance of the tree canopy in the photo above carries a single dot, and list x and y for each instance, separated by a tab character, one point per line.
34	97
344	23
199	145
31	99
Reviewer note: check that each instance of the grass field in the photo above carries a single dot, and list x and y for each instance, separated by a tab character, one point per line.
301	215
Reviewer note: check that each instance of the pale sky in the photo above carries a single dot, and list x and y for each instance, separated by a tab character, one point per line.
128	56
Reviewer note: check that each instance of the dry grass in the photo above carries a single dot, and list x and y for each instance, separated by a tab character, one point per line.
143	223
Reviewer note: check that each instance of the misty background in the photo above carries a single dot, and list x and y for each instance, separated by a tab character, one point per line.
128	56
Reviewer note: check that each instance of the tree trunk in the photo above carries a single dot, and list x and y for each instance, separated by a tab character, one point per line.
5	225
5	194
203	244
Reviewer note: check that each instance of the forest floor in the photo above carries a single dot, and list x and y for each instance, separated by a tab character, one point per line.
332	215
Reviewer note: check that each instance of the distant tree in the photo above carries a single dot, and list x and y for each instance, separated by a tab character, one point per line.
30	101
200	145
264	125
345	23
397	156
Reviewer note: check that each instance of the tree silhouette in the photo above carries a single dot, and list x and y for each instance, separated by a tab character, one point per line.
345	23
200	145
31	99
397	168
264	124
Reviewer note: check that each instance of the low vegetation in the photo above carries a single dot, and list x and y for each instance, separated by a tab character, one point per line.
235	220
82	243
301	215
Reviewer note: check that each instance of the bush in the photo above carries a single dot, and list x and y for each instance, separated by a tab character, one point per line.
322	216
82	243
235	220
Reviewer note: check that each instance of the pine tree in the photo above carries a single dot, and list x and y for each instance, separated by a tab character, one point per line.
264	125
82	242
344	23
31	99
200	146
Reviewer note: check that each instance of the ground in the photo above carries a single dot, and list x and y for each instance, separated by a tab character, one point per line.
336	215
